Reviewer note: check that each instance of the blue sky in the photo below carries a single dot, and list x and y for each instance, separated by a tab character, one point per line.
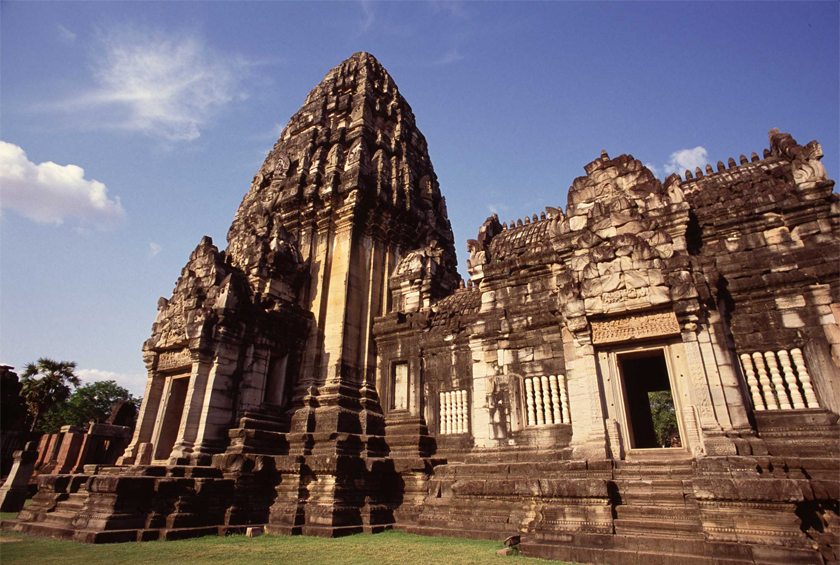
130	130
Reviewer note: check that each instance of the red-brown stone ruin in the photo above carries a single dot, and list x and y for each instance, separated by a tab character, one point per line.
330	372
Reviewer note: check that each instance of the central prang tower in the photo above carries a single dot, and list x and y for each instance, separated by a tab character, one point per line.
351	181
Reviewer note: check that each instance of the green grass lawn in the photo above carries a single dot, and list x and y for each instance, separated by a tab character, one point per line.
388	547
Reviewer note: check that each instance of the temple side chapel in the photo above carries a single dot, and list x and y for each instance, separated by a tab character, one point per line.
331	373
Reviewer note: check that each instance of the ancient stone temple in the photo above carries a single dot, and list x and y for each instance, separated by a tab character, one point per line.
650	375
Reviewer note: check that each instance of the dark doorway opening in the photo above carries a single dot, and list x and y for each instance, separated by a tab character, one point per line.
275	385
172	415
651	415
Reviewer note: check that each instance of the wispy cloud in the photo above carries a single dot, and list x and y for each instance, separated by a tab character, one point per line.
498	208
452	7
65	34
49	193
135	383
374	22
451	56
165	85
368	17
687	159
154	249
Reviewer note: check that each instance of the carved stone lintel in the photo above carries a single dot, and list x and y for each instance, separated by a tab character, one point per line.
634	326
168	360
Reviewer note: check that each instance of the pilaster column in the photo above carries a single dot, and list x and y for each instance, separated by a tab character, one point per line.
482	372
146	419
215	409
589	435
341	323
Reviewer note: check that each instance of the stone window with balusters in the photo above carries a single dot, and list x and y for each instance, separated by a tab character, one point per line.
779	380
454	412
546	401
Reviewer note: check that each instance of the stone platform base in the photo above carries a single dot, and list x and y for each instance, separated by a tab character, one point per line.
115	536
713	510
651	550
431	531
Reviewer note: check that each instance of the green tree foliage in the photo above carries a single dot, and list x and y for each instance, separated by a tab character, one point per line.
93	401
45	384
664	418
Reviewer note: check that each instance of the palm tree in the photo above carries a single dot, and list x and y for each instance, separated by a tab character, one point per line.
45	384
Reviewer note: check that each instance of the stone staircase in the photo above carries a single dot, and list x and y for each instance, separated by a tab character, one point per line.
656	498
494	495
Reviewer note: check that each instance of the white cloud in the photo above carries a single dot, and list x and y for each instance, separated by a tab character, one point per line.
373	21
154	249
166	86
368	17
653	168
49	193
452	56
65	34
687	159
135	383
498	208
452	7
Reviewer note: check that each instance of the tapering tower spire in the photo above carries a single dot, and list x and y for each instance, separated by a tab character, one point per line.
351	181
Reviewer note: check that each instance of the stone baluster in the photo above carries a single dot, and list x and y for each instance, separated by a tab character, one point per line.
454	411
546	390
555	399
538	402
459	412
764	380
456	399
529	402
752	382
442	411
790	379
464	413
456	415
564	400
804	378
450	413
778	382
446	421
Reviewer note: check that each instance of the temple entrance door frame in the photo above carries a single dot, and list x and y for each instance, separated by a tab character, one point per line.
618	403
171	413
